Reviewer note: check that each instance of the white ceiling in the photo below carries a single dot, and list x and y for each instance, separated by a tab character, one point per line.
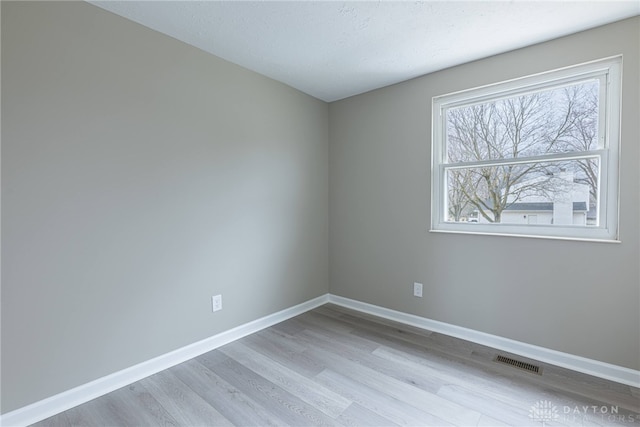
335	49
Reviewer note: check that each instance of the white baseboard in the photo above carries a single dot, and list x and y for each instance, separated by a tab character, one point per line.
53	405
596	368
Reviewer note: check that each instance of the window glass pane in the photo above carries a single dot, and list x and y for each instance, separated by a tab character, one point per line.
563	192
559	120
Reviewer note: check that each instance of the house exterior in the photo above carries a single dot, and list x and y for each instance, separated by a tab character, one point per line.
546	213
563	202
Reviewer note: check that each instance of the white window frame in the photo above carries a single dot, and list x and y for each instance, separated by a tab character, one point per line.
608	71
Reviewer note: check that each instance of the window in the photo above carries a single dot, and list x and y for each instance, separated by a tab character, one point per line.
536	156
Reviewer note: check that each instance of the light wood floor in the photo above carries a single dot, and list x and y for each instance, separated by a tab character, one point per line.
333	366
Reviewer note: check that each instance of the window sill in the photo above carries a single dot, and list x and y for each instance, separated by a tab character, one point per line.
528	236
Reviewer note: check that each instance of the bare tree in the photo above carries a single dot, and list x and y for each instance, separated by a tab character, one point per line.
458	201
528	125
583	135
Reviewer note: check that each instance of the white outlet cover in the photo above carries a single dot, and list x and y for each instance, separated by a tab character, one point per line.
216	302
417	289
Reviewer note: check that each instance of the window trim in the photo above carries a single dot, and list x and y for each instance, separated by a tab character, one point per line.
609	72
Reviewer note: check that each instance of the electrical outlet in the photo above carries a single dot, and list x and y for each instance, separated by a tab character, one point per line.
216	302
417	290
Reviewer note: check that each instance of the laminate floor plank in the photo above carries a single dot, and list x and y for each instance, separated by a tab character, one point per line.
337	367
129	406
288	327
61	420
285	406
282	353
354	345
225	397
569	402
427	346
495	393
588	387
92	413
511	413
357	415
350	351
381	404
337	311
562	379
362	326
307	390
321	320
440	361
182	403
494	388
138	407
426	401
487	421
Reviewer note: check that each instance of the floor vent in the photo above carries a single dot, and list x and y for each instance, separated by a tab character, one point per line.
519	364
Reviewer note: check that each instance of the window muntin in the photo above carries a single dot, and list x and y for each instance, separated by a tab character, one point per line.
510	158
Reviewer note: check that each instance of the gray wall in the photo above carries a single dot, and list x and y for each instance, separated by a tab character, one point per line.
140	176
576	297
